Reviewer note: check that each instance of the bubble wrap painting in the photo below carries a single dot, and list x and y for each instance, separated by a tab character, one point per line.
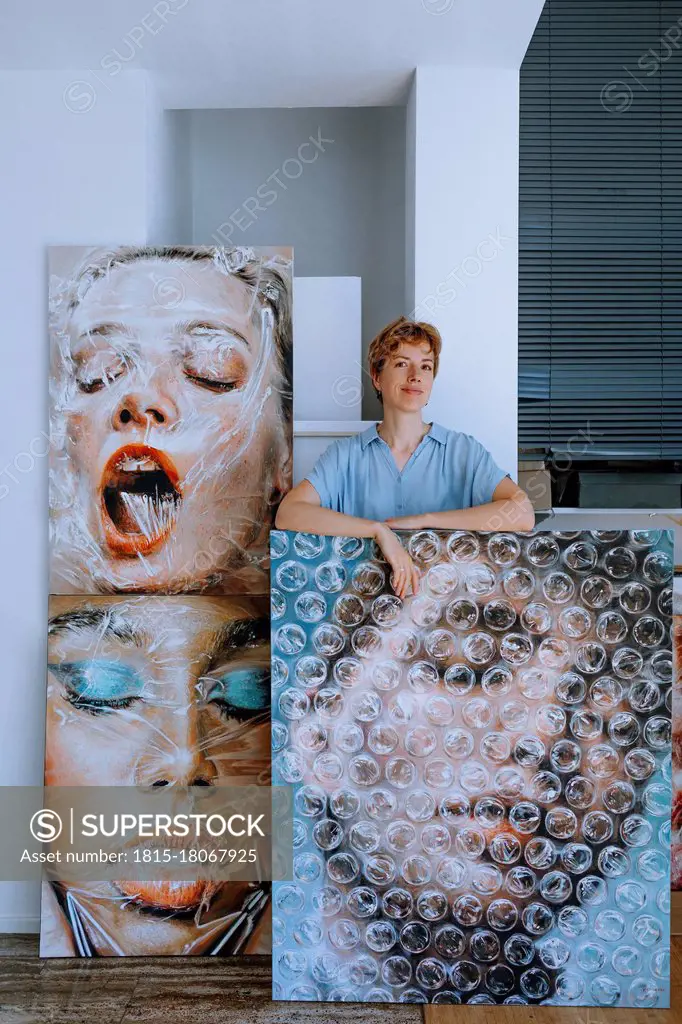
676	866
481	772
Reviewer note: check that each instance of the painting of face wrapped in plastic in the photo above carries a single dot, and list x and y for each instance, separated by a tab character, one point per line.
170	447
157	691
481	771
170	417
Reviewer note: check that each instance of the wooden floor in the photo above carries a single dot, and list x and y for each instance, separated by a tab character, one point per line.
200	990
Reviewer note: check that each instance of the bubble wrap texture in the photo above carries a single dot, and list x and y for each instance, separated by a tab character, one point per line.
676	853
482	772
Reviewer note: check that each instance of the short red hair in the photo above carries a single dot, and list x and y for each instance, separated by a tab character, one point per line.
389	340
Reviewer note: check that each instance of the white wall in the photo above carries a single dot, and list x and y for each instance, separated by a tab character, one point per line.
465	170
343	210
327	348
410	194
169	219
73	172
266	53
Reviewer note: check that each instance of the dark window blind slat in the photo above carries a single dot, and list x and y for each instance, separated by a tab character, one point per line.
600	240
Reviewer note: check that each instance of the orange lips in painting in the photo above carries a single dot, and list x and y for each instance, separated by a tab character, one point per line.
139	498
169	895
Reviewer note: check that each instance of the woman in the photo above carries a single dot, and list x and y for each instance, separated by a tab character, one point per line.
404	474
146	692
170	418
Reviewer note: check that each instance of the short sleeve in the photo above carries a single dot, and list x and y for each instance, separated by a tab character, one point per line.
325	476
486	474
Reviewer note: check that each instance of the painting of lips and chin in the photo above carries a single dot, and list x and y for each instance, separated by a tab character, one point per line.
170	448
170	417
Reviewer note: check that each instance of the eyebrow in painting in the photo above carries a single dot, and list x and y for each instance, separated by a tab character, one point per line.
212	326
237	636
106	330
104	621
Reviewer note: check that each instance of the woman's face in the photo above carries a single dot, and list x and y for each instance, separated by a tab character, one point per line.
173	425
158	691
406	378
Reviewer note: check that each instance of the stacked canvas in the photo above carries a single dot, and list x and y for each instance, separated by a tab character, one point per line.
170	418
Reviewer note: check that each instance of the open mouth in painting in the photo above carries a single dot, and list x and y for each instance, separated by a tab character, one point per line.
140	497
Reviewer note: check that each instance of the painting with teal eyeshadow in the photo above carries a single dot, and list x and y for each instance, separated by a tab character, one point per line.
170	404
152	690
97	683
244	690
481	772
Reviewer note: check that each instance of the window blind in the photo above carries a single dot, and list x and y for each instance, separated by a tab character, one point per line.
600	261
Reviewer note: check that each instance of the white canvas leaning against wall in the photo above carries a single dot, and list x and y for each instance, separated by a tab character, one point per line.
328	367
329	371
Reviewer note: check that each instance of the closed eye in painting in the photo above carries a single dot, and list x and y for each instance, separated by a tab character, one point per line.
92	381
97	364
219	386
241	692
212	358
99	685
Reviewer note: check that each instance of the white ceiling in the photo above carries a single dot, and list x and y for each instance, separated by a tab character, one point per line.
245	53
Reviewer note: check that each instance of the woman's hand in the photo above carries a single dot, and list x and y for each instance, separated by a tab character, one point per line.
404	572
406	522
